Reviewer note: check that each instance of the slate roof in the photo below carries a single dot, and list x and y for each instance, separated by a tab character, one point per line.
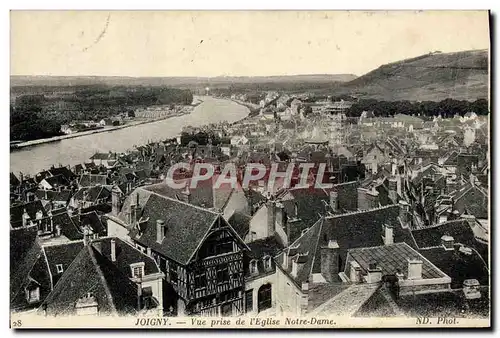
14	181
26	267
62	254
57	181
125	255
89	180
472	200
460	230
91	273
17	211
393	258
458	265
360	229
81	220
204	195
307	243
186	224
93	194
49	195
64	171
240	223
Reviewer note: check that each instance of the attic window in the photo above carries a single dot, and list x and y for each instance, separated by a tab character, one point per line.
253	267
267	262
137	270
59	268
33	294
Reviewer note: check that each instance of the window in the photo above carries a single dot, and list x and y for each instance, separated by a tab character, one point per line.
249	301
200	281
33	294
222	275
173	274
59	268
267	262
137	270
253	267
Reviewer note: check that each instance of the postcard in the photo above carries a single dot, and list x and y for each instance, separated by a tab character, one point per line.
250	169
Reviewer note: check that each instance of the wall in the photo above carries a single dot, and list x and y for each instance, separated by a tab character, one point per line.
255	284
258	224
115	229
288	295
156	287
237	203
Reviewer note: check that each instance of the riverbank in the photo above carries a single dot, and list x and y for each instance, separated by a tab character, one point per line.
20	145
31	160
254	108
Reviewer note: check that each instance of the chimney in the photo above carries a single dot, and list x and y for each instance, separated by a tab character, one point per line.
297	262
414	269
115	201
334	202
133	214
113	250
26	218
97	246
285	259
160	230
271	217
374	273
404	209
448	242
388	234
330	260
355	272
393	190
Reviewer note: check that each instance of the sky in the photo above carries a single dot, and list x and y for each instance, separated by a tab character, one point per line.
231	43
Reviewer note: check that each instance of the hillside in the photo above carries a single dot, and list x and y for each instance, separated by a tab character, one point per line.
220	81
433	77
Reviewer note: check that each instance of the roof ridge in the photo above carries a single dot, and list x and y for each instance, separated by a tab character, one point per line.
176	200
363	211
101	276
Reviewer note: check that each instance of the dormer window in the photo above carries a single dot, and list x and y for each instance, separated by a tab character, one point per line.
253	267
59	268
32	293
267	262
137	270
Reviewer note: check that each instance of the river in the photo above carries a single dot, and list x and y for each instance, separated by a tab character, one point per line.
31	160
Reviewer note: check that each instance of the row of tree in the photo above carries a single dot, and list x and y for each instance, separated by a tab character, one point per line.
445	108
34	116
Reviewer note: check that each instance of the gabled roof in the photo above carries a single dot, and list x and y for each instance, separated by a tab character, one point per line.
64	171
91	274
459	229
88	180
56	181
308	244
17	211
393	258
126	254
61	254
186	224
361	229
89	219
92	194
14	181
49	195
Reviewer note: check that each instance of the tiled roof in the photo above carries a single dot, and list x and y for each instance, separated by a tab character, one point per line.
305	244
88	180
458	229
459	266
90	219
240	223
49	195
186	224
89	273
57	181
16	212
61	254
125	255
93	193
393	258
360	229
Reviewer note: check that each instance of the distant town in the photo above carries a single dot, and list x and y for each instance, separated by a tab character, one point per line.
403	230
